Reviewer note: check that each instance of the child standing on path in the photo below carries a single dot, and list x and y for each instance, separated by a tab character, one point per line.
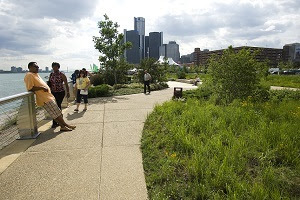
82	85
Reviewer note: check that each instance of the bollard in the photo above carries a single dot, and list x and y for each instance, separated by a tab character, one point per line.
177	92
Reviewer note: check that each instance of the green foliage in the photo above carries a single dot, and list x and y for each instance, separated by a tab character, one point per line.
134	88
157	71
120	74
203	92
197	150
235	75
98	91
181	74
284	95
97	79
173	69
158	86
286	65
282	80
260	94
111	47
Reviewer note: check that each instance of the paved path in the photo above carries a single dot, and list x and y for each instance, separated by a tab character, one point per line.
283	88
101	159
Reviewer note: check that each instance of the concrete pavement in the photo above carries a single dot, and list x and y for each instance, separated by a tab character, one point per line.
100	159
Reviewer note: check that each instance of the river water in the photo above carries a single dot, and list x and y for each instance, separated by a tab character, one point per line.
11	84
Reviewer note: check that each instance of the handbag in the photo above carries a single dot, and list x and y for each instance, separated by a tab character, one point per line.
84	92
49	82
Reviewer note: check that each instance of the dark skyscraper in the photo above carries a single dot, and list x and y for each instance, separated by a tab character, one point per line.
132	55
139	25
155	41
146	46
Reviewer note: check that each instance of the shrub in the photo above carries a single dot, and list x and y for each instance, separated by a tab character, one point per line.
98	91
164	84
118	86
202	92
136	85
260	94
181	74
97	79
235	75
281	95
158	86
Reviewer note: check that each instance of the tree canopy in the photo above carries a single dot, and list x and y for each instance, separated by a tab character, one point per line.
111	46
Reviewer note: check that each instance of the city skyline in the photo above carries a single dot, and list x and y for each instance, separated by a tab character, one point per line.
62	31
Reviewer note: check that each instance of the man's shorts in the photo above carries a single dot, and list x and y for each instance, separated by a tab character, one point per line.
52	108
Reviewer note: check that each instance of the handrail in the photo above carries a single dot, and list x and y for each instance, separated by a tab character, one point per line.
17	96
14	97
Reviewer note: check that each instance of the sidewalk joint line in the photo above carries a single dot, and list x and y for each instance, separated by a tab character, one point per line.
101	153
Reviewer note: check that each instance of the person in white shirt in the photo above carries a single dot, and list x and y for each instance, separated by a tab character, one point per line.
147	78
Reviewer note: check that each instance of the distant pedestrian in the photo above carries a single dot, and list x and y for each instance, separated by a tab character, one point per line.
44	97
82	85
147	78
74	76
88	74
56	82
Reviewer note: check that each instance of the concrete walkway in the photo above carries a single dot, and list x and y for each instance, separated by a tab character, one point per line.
101	159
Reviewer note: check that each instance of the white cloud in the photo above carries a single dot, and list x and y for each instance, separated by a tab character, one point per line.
62	30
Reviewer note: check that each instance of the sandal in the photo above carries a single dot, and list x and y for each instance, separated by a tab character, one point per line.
84	109
65	129
72	127
76	110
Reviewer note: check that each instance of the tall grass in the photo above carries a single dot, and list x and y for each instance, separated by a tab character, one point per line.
282	80
197	150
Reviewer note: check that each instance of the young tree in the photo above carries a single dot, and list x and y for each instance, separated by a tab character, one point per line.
111	46
234	75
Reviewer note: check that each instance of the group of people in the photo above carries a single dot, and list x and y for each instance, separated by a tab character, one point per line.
50	95
81	84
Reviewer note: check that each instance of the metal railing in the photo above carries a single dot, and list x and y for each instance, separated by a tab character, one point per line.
18	118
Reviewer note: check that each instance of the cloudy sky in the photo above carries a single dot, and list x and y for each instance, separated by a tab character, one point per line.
62	30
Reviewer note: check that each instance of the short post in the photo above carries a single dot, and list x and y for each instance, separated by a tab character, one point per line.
177	92
26	120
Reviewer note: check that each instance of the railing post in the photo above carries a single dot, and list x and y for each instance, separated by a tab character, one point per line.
26	120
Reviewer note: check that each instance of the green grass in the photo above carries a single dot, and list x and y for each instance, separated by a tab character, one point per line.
282	80
122	89
173	76
197	150
134	88
125	91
